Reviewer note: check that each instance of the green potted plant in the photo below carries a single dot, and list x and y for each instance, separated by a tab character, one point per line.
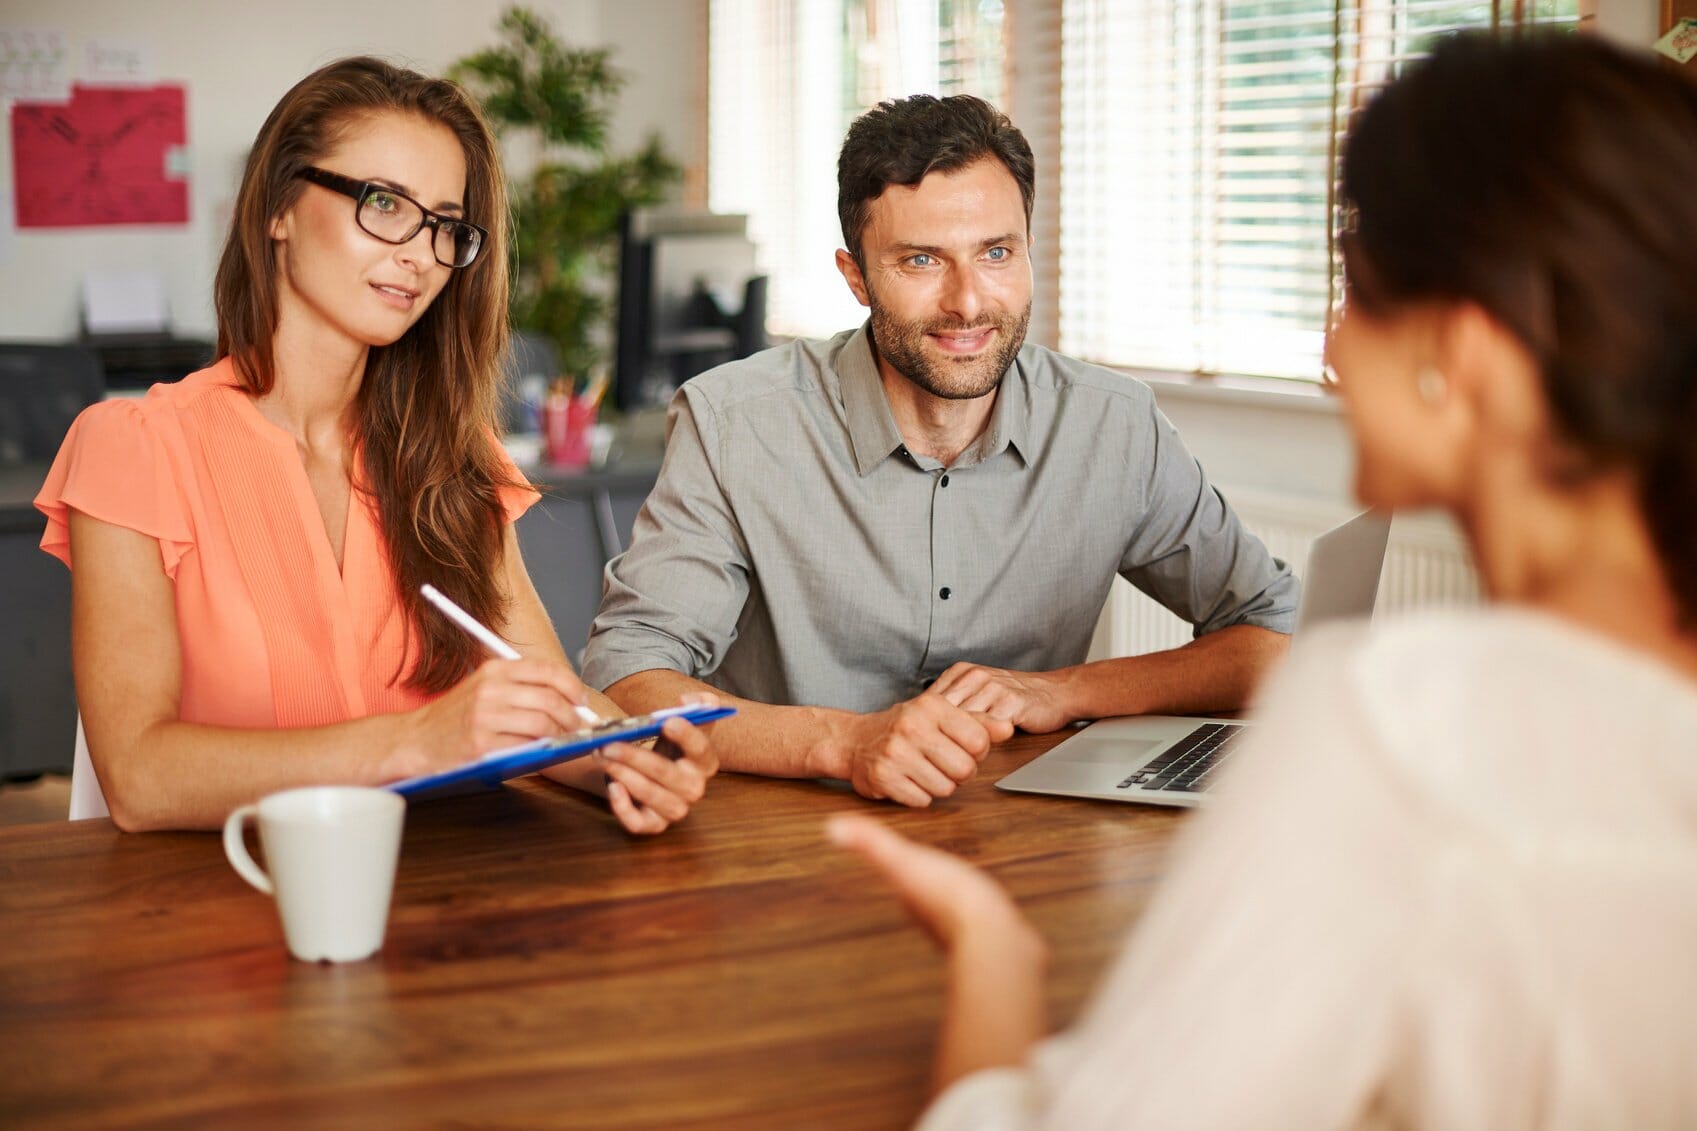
554	102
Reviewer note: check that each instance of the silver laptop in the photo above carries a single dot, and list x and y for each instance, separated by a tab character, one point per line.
1172	760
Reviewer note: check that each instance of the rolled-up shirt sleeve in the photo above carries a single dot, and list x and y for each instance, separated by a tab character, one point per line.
1190	551
672	600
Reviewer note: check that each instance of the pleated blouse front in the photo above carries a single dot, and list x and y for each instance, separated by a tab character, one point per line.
272	633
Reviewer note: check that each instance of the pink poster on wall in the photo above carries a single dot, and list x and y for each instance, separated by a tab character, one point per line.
111	155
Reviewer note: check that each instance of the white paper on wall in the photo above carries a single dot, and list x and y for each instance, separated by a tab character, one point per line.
117	62
124	302
34	64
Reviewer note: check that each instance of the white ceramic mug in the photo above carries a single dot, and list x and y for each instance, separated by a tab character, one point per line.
332	851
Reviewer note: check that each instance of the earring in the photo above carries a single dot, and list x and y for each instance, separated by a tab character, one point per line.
1430	384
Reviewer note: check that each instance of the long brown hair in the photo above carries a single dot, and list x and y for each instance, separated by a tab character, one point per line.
426	407
1552	180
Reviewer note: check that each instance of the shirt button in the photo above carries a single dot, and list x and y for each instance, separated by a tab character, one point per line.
943	592
945	481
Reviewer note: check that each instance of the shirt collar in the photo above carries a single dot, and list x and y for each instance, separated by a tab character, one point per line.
872	427
1010	421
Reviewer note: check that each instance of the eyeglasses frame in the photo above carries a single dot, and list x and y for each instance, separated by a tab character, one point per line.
361	191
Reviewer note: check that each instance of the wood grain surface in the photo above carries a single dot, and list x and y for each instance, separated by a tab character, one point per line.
541	968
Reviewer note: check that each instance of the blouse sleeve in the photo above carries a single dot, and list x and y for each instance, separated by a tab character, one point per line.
114	466
515	499
995	1099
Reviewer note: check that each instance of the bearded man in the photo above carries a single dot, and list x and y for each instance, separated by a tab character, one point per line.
890	548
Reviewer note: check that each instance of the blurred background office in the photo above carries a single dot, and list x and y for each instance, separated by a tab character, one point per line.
1186	166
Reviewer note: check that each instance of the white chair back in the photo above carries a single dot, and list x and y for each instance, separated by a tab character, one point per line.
87	799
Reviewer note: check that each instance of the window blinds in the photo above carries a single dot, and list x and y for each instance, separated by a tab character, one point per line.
1198	153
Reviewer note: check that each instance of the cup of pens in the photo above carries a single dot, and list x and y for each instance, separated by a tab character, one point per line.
568	420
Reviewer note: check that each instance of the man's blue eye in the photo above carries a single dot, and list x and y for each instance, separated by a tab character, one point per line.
997	254
921	261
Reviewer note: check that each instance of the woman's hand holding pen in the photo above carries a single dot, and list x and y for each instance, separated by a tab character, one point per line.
648	790
501	703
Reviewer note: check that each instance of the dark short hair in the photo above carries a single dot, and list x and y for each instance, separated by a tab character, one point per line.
1552	181
899	141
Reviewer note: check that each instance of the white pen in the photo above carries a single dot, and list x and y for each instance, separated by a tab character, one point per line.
488	639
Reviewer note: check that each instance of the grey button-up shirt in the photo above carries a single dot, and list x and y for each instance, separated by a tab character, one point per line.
794	552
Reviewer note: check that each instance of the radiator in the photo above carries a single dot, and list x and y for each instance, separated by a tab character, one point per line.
1426	564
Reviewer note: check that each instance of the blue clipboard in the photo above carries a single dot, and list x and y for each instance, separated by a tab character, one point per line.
497	766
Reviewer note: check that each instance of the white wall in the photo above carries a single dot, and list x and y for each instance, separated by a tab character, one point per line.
237	59
661	46
1630	21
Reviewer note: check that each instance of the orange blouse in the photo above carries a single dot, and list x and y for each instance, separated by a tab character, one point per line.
271	633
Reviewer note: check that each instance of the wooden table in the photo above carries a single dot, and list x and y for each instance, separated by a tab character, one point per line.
541	968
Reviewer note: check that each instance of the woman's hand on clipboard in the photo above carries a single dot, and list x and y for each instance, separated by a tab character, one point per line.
649	789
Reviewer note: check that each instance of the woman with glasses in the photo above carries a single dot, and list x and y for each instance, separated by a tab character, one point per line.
249	544
1453	880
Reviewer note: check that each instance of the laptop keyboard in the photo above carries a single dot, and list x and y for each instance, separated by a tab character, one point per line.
1188	765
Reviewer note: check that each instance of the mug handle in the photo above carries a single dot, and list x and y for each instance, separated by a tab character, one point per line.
235	848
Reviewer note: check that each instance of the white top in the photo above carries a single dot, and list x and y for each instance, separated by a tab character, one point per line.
1452	883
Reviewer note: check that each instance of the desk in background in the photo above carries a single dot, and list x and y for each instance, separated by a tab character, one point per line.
583	521
38	706
133	362
541	967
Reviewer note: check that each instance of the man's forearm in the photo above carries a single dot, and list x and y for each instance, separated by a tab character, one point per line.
785	742
1218	672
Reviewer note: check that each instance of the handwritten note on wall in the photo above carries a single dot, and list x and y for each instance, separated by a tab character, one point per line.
117	62
111	155
34	64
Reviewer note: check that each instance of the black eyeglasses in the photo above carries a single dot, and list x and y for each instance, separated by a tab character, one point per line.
395	217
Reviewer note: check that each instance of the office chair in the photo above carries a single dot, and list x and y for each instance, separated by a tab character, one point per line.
87	798
42	388
750	321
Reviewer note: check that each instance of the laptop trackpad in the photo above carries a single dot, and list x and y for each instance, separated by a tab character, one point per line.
1107	751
